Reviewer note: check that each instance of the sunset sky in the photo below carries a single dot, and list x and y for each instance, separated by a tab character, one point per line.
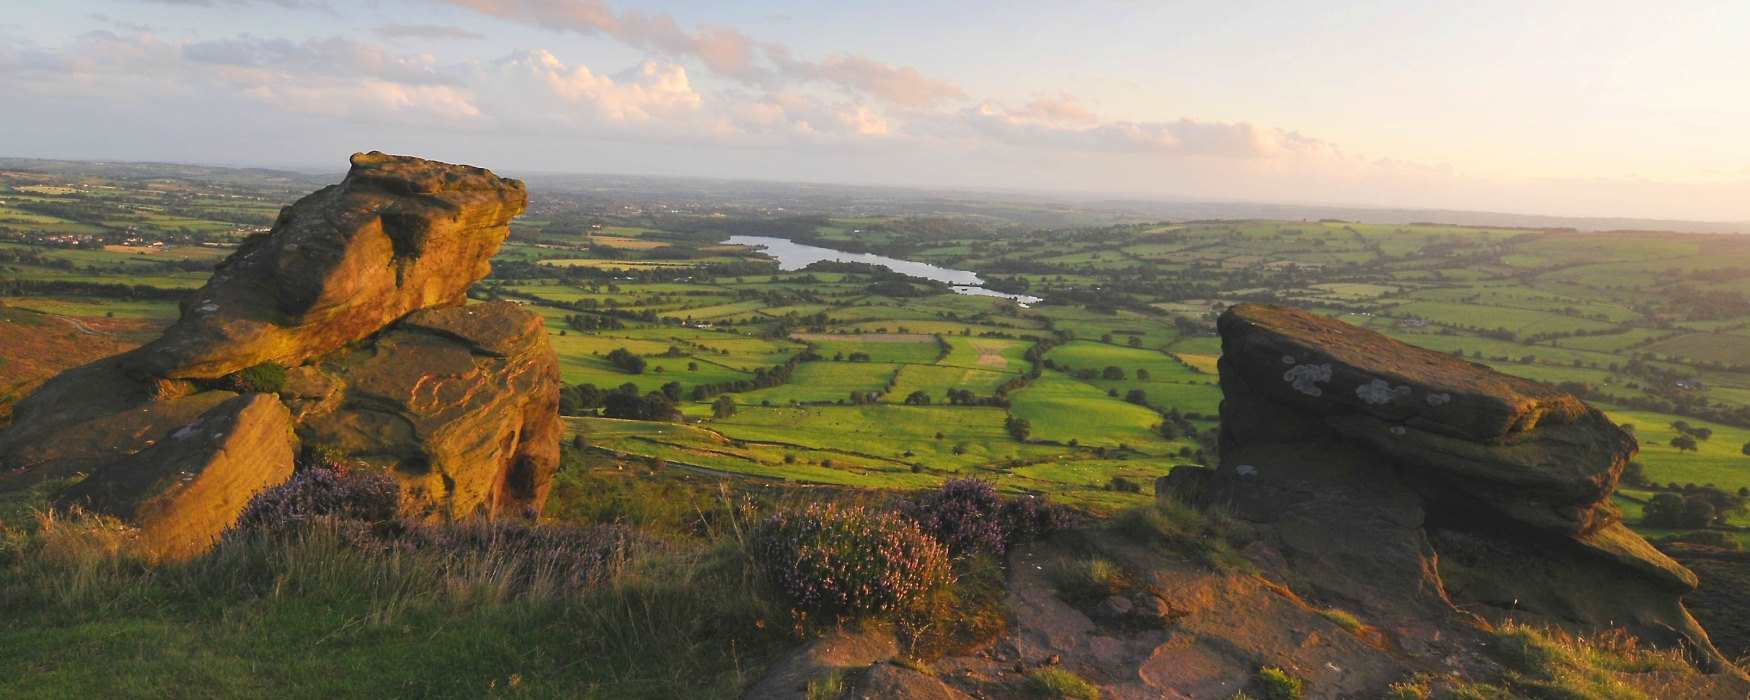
1573	108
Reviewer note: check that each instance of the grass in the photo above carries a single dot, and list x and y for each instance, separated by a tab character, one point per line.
307	617
1063	409
825	381
1057	682
1277	684
1087	581
1343	619
829	686
1205	536
1552	663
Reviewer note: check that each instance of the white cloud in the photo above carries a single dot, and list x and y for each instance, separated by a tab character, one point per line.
723	50
576	96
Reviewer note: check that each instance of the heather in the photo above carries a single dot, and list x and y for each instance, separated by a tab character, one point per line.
848	559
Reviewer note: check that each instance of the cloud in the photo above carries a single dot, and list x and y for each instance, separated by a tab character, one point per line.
900	85
1062	123
426	31
536	87
334	56
723	50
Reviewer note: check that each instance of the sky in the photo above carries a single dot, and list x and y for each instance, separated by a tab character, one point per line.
1594	108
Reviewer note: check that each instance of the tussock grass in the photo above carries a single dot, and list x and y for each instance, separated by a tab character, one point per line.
1277	684
1553	663
1057	682
1088	580
1209	537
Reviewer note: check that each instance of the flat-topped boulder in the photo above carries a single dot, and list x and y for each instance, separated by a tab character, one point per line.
1525	450
1412	483
399	234
1312	361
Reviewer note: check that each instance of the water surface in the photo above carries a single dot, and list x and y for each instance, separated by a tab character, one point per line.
795	256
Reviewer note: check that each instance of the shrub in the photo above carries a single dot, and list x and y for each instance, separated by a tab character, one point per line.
265	378
1055	682
965	515
1277	684
1032	517
969	516
1123	484
319	491
838	559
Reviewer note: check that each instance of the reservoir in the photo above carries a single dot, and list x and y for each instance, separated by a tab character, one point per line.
795	256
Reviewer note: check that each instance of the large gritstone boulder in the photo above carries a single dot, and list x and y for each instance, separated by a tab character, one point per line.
397	235
188	487
359	295
461	404
1410	482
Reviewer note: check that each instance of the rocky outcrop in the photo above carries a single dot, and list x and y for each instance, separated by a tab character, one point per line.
183	491
397	235
1414	484
461	404
359	292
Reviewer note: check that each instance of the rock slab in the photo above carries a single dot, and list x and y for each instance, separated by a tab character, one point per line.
1414	483
185	490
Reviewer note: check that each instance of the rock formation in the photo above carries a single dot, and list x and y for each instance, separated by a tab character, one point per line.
188	487
358	292
1413	485
397	235
462	403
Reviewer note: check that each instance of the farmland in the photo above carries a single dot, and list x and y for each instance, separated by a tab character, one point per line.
844	375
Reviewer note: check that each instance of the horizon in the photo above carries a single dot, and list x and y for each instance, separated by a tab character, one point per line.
1095	199
1381	108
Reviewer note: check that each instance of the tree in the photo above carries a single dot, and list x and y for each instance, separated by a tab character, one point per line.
1112	373
917	398
1141	374
1684	443
673	391
1135	341
1019	428
723	407
1634	474
1136	396
626	361
1674	511
1746	449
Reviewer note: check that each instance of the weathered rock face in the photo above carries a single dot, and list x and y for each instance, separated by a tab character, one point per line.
359	292
1413	483
461	404
183	491
397	235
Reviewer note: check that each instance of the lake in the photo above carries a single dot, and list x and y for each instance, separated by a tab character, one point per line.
795	256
